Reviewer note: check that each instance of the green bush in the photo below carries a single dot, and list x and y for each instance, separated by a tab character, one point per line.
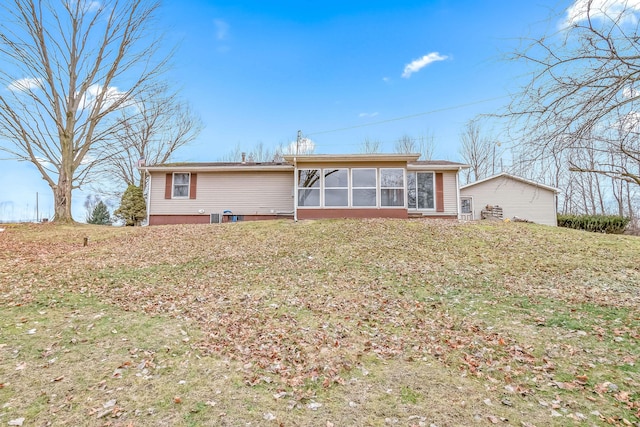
133	208
610	224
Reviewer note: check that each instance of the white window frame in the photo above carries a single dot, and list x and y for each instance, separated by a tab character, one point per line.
433	189
374	188
325	188
318	188
470	200
174	185
403	188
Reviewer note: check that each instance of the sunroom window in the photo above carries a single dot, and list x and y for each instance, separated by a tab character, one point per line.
420	190
336	187
391	187
309	187
363	188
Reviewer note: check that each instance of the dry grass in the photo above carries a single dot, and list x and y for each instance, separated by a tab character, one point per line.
373	322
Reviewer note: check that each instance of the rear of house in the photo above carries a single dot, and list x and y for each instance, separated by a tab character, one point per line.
303	187
516	196
201	193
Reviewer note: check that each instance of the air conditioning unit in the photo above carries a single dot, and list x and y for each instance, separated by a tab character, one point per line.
216	218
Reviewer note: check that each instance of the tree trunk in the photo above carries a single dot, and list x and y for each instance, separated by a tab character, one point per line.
62	200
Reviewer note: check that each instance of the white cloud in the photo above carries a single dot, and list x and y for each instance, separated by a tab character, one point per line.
92	6
24	85
630	122
112	95
418	64
368	114
630	92
45	163
222	29
580	10
305	146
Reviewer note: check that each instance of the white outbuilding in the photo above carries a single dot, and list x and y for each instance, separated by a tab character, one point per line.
511	196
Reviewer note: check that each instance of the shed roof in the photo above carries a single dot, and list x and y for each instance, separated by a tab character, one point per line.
514	177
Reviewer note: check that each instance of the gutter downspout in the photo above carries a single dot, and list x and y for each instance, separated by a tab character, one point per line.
295	190
146	173
458	192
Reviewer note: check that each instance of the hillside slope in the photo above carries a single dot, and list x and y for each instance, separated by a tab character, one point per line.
321	322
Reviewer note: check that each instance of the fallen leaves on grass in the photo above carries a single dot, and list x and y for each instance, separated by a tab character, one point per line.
300	305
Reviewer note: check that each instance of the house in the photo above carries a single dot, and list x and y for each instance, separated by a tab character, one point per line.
303	187
516	196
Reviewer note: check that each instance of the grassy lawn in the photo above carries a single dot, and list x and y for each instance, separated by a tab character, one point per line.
319	323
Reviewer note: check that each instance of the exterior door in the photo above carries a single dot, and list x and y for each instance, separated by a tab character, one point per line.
466	208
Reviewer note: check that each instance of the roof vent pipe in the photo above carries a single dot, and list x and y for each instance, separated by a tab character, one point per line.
244	157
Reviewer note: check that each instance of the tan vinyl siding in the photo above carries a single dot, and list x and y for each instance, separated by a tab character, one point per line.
516	198
243	193
450	193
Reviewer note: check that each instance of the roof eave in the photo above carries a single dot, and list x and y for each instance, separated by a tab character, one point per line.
239	168
453	167
346	158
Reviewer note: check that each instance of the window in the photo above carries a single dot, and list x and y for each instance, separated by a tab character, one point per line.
181	185
363	184
309	187
336	187
420	190
465	205
392	187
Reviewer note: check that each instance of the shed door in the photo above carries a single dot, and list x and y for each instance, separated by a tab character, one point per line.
466	208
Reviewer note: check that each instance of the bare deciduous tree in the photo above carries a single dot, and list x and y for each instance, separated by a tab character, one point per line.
584	94
423	145
258	153
67	66
405	145
160	124
370	146
476	151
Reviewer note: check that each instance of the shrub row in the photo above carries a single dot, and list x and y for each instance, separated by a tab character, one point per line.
610	224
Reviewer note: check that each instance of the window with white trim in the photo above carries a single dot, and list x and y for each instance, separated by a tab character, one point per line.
309	187
465	205
181	185
421	190
336	187
363	188
391	187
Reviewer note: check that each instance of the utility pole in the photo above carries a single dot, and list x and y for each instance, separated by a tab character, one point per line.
298	140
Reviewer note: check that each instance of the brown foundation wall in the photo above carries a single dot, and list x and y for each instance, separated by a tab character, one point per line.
205	219
450	217
351	213
178	219
229	217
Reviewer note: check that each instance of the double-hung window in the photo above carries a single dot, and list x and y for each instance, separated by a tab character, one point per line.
363	188
181	185
309	187
336	187
421	190
391	187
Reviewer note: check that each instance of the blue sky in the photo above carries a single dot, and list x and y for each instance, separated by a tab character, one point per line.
259	71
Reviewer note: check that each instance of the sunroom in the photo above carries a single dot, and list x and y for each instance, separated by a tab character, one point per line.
369	185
